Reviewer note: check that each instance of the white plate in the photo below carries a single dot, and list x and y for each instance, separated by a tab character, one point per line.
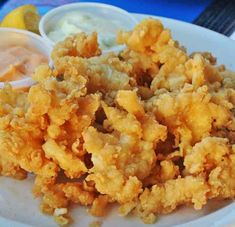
19	208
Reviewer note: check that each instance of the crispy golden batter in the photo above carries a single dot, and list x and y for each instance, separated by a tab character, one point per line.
150	128
165	198
79	45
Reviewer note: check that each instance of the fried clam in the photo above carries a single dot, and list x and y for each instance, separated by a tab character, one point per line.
150	128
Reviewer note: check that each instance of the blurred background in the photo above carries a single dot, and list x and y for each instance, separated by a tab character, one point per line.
217	15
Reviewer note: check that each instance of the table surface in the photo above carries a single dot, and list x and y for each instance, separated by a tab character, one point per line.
185	10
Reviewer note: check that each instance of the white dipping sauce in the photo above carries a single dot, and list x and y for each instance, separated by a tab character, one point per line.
79	21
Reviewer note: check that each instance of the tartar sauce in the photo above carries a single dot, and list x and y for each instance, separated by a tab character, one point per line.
78	21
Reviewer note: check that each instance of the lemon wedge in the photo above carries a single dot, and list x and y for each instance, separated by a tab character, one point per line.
24	17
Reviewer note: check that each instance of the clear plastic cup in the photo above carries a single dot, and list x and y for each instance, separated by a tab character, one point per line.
109	12
11	37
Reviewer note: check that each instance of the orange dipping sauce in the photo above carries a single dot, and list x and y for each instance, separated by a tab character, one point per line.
18	62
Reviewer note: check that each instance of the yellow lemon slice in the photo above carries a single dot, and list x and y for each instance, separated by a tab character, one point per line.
24	17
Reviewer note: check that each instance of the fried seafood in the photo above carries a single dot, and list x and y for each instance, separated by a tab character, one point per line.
150	128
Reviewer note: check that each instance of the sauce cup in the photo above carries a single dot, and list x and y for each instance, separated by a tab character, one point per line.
107	12
10	37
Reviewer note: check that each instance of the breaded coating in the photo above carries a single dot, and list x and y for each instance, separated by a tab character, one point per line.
198	115
130	102
143	36
73	166
206	155
77	193
121	182
99	206
100	77
162	199
80	45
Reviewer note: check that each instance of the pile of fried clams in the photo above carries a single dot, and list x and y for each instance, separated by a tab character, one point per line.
150	128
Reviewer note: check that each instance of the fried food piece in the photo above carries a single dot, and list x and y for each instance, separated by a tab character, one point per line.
73	166
122	121
9	165
45	178
221	178
213	156
206	155
167	170
112	150
63	111
79	121
57	196
124	187
152	130
77	193
20	140
130	102
207	55
80	45
151	39
176	67
143	36
53	198
164	198
99	206
100	77
140	66
197	114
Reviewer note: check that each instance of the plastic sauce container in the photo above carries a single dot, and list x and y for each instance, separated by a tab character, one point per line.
10	37
70	19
